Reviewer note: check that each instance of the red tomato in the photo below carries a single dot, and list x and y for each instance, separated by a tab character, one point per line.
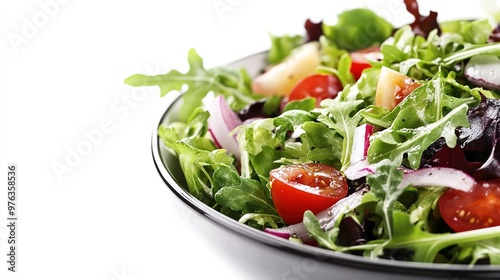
317	86
479	208
360	60
299	187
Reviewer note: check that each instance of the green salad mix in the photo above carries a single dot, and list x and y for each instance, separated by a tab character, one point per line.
383	144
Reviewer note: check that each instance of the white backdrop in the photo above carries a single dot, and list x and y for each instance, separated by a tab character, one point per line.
90	204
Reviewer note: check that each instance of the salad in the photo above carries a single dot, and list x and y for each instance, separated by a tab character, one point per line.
384	144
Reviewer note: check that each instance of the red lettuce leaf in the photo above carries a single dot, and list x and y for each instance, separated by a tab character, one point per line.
314	30
422	25
495	35
440	155
478	152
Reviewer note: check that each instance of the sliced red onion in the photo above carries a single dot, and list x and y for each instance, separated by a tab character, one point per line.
294	230
221	123
484	71
359	169
326	218
361	142
251	120
439	177
433	176
359	166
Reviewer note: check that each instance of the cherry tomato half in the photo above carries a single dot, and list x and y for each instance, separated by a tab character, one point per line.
317	86
360	60
478	208
299	187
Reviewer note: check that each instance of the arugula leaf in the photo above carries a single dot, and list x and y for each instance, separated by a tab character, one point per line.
293	137
429	103
211	176
476	92
470	51
243	195
261	221
324	144
420	120
424	206
402	229
384	185
297	136
375	115
420	57
426	245
343	117
324	239
408	229
234	85
394	143
489	249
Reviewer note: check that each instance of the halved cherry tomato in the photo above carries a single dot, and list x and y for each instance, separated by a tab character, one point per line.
360	60
318	86
299	187
478	208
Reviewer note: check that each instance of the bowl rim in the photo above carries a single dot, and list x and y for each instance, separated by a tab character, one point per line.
320	254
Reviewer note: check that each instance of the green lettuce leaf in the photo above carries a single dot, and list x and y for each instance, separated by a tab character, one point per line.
477	31
266	144
197	154
357	29
282	46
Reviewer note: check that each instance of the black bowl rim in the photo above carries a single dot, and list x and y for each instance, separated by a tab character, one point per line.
322	255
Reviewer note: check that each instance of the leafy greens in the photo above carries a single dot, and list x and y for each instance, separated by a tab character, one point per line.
441	123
